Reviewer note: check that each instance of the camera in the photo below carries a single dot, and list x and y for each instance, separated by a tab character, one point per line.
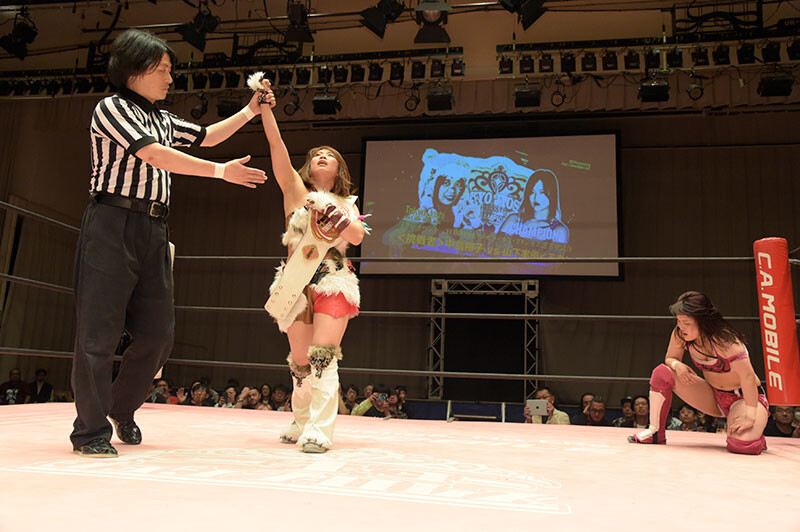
382	397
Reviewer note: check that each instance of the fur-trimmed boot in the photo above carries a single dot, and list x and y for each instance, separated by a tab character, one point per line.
318	431
301	401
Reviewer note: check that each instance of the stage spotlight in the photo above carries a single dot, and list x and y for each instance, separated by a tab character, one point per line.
199	80
633	61
215	80
376	18
417	70
285	76
232	79
529	12
180	82
546	63
298	30
357	73
526	64
700	56
412	102
226	108
675	58
654	90
292	105
326	104
83	85
22	34
99	85
339	74
775	85
396	71
652	59
746	54
695	89
195	32
437	68
771	52
589	62
506	65
721	55
432	16
457	68
568	62
440	99
52	87
200	109
610	61
527	96
557	98
324	74
375	72
303	76
793	50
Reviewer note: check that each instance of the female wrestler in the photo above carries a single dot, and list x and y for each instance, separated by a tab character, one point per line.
315	329
539	216
730	388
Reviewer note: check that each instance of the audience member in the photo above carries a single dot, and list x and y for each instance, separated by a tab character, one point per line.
160	392
627	411
641	413
341	408
280	399
393	407
350	397
367	392
596	413
688	420
780	423
402	406
41	391
376	405
213	395
228	398
554	416
250	399
199	396
14	391
266	393
581	417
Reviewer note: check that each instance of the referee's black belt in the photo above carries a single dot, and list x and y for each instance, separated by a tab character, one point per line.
154	209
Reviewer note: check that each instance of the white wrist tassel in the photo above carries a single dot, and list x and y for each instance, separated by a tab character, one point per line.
254	81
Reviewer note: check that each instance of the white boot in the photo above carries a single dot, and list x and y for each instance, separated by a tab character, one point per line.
301	401
317	435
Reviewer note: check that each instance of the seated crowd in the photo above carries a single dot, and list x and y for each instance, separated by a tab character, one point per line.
384	402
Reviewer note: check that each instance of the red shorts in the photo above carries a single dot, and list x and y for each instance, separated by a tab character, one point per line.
726	399
335	305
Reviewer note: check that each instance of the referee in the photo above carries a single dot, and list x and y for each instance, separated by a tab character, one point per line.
123	277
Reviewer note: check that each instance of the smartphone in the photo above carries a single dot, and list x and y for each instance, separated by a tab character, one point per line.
538	407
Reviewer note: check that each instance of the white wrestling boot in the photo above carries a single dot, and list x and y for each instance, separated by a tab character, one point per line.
317	433
301	401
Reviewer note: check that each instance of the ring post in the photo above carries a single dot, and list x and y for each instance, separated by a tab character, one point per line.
777	320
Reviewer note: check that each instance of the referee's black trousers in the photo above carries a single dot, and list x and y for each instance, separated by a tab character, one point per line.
123	281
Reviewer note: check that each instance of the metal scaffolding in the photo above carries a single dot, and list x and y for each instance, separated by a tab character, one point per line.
440	288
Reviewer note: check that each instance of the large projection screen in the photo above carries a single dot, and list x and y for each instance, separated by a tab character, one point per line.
528	197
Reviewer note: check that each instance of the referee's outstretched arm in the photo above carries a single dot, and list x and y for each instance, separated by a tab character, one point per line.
172	160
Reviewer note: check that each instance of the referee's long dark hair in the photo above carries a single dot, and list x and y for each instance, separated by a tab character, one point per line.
712	326
136	52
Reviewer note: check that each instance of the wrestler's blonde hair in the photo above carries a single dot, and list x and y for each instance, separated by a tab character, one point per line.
342	185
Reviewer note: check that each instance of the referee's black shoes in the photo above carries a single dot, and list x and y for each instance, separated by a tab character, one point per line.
128	431
97	448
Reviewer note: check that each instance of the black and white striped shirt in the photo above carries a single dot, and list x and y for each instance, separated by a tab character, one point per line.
121	125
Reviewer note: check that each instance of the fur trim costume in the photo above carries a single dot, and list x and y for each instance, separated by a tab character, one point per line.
333	276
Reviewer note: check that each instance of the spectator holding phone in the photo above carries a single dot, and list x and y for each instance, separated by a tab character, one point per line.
376	405
554	416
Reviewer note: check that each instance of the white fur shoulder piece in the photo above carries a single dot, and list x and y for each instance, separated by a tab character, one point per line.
254	81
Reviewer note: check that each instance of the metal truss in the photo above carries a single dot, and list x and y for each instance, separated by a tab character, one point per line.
440	288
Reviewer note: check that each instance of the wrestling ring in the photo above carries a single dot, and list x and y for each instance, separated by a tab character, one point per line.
223	468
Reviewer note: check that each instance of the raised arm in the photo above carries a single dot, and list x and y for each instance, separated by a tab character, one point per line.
176	161
294	191
222	130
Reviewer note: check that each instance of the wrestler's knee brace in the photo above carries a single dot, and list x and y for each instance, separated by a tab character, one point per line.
301	401
323	360
738	446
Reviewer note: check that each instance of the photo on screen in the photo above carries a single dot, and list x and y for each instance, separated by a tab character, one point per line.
531	198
